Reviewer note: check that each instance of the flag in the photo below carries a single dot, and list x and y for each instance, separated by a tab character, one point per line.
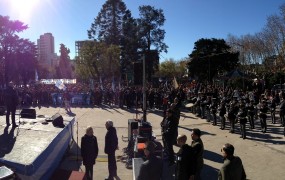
92	84
113	84
36	76
174	83
101	84
165	84
59	84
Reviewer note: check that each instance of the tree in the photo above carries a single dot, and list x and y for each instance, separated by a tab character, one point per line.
209	57
129	44
64	62
8	41
107	26
97	59
260	47
150	32
171	68
26	63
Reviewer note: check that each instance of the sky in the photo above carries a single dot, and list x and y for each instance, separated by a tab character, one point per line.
187	21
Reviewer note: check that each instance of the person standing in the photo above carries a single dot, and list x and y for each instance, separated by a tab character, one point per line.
89	151
11	102
222	112
242	116
282	109
198	150
111	145
185	164
67	98
232	168
151	169
169	134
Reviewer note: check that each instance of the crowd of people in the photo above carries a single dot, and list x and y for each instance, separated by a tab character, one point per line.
236	106
216	104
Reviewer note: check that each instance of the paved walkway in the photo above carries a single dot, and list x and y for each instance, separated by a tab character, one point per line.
263	155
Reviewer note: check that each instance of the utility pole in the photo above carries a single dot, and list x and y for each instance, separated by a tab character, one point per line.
144	91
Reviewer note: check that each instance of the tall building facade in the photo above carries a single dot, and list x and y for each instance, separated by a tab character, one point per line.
79	45
46	54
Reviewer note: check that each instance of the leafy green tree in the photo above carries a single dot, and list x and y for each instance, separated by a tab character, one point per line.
209	57
107	26
171	68
26	63
8	43
150	28
129	44
97	59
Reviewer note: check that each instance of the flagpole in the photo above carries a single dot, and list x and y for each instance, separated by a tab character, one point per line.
144	91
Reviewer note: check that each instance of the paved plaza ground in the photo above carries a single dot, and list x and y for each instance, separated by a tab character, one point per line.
263	155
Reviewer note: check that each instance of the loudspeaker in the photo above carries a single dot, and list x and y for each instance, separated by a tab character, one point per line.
28	113
57	120
132	124
138	73
145	130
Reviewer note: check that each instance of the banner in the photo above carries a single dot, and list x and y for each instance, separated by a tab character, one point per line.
53	81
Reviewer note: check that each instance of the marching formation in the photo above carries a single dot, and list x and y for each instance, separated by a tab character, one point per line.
240	107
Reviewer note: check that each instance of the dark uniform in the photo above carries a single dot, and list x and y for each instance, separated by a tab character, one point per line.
282	112
222	112
232	115
242	119
213	108
273	105
169	134
263	109
250	113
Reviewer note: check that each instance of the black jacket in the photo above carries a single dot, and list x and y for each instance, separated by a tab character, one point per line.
89	149
185	163
170	132
11	97
111	141
151	169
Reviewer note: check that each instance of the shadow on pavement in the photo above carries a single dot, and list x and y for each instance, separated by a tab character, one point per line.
212	156
209	173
